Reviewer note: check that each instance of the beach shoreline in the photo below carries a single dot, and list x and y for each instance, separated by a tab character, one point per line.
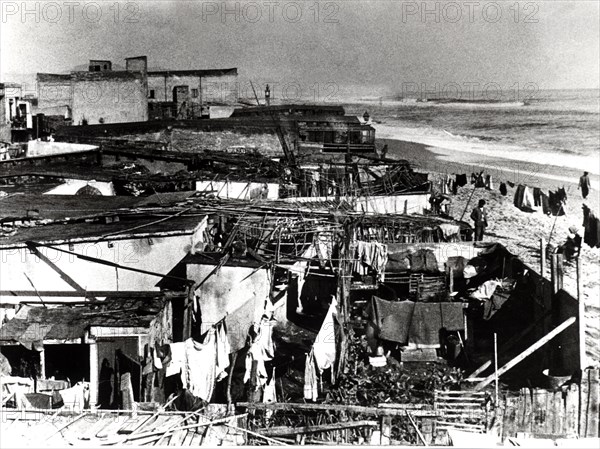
518	231
442	160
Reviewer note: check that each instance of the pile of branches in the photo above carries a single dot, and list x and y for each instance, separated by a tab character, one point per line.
362	384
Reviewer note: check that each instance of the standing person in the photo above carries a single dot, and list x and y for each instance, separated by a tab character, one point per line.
479	217
584	185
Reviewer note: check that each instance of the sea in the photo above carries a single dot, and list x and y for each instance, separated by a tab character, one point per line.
551	127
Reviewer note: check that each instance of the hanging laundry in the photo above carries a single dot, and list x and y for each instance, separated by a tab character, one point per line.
545	204
76	397
524	199
537	196
270	393
518	199
429	318
238	324
461	180
324	347
311	384
591	224
503	189
175	359
511	184
199	374
485	290
223	351
371	254
489	184
556	201
261	351
392	318
451	232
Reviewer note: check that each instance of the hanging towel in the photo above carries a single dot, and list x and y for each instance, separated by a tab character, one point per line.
223	351
324	345
311	385
199	375
527	198
177	359
461	180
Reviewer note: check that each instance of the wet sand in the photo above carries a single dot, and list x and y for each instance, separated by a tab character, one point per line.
519	231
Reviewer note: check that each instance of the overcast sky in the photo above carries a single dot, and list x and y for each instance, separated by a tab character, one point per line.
379	44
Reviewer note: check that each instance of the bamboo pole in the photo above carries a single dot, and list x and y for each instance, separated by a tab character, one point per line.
523	355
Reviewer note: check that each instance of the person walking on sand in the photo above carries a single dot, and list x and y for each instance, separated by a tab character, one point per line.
584	185
479	217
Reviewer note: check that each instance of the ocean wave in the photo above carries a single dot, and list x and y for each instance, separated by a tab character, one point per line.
499	149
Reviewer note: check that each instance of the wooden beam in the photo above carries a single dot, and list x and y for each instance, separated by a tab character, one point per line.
523	355
378	411
285	430
64	276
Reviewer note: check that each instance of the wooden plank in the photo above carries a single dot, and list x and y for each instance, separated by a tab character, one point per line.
593	400
286	431
572	410
511	417
188	438
583	403
529	411
527	352
458	393
178	437
381	411
559	412
386	430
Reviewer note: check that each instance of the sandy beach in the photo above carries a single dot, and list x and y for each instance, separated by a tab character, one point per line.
519	231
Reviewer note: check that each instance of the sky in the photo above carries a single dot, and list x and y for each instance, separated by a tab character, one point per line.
366	46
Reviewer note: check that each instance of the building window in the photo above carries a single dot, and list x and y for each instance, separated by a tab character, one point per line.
151	94
194	93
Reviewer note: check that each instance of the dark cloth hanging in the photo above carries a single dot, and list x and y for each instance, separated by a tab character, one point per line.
511	184
537	196
519	194
591	224
461	180
503	189
556	200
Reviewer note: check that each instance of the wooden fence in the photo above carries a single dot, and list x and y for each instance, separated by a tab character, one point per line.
569	411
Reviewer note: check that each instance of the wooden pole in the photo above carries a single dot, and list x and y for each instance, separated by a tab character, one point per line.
414	424
523	355
542	257
467	205
581	316
496	366
560	271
